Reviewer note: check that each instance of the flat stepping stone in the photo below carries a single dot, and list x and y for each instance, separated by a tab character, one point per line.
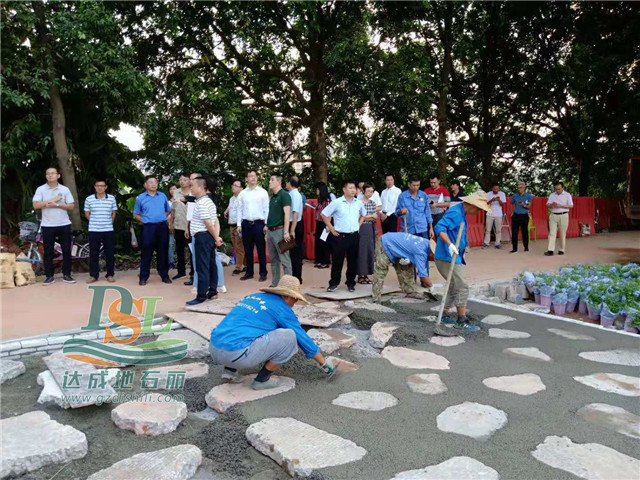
612	382
472	420
220	306
370	306
362	291
208	414
502	333
381	333
591	461
331	340
407	301
10	369
530	353
426	383
371	401
437	309
197	346
189	370
315	316
429	318
614	418
523	384
200	323
222	397
300	448
32	441
151	417
342	366
456	468
570	335
497	319
174	463
407	358
446	341
630	358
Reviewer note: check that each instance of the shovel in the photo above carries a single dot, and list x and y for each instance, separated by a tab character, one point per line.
439	329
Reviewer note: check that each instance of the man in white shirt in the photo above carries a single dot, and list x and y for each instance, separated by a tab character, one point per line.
561	203
495	200
55	200
253	211
231	214
297	226
389	200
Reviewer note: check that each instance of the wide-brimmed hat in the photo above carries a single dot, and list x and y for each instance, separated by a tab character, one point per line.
477	199
288	286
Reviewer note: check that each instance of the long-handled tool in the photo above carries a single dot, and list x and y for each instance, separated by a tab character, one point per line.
439	329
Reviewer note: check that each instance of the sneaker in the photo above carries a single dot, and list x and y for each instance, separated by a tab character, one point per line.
499	247
514	251
222	289
271	383
177	276
448	320
49	281
68	279
111	278
233	376
189	283
195	301
485	246
332	288
548	253
467	327
92	280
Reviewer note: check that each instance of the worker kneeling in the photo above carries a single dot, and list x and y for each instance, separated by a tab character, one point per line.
262	328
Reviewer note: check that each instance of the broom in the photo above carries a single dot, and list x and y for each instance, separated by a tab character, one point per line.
439	329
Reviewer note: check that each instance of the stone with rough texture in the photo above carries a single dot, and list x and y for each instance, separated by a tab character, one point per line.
591	461
501	290
370	306
630	358
222	397
502	333
301	448
497	319
197	347
315	316
220	306
570	335
523	384
407	301
612	382
153	416
200	323
612	417
173	463
456	468
472	420
342	366
407	358
530	353
190	370
208	414
426	383
32	441
446	341
364	400
362	291
10	369
437	309
429	318
331	340
381	333
51	392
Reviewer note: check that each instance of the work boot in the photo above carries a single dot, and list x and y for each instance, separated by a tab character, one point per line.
271	383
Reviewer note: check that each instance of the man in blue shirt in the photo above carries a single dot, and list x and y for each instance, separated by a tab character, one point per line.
263	328
100	209
152	209
413	204
520	217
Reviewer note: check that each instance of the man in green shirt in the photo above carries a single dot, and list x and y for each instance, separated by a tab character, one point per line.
278	228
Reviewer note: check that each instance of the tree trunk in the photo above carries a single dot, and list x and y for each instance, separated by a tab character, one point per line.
318	146
58	117
584	176
443	93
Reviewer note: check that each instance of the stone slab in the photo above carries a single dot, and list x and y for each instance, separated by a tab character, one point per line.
426	383
342	366
301	448
523	384
200	323
220	306
614	418
51	392
365	400
407	358
330	340
456	468
429	318
612	382
503	333
629	357
173	463
197	346
591	461
530	353
315	316
446	341
207	414
472	420
151	417
381	333
570	335
222	397
370	306
497	319
10	369
190	370
32	441
362	291
407	301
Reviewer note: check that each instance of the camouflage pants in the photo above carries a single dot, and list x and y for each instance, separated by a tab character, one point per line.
458	290
381	268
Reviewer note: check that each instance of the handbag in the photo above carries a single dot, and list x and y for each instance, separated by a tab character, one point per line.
285	246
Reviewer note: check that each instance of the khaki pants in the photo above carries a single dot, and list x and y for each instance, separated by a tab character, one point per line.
381	268
458	290
490	222
558	222
276	258
238	246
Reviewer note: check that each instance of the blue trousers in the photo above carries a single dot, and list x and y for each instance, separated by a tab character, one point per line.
155	236
206	267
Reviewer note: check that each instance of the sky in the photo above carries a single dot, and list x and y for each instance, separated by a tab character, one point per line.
129	136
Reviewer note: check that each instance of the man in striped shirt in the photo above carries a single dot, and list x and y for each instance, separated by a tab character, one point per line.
100	209
205	230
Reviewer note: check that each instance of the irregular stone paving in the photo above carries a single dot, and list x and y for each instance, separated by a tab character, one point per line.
456	468
371	401
151	417
174	463
497	319
530	353
331	340
429	318
197	346
370	306
51	392
591	461
10	369
208	414
220	306
407	358
301	448
362	348
446	341
612	382
630	358
222	397
381	333
407	301
612	417
342	366
200	323
472	420
362	291
502	333
32	441
426	383
523	384
570	335
319	317
190	370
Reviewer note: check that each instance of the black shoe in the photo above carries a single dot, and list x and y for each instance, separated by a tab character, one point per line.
189	283
332	288
48	281
526	249
560	253
142	282
195	301
263	278
514	251
351	288
548	253
246	277
166	280
179	275
212	295
68	279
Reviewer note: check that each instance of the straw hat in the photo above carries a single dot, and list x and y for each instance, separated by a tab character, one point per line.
477	199
288	286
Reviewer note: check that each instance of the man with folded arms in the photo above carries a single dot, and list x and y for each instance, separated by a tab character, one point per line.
561	203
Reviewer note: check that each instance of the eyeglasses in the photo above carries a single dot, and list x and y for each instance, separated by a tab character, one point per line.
100	186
